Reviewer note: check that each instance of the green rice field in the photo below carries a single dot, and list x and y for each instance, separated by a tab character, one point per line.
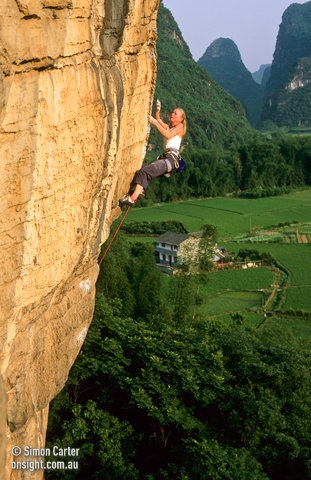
280	226
232	291
229	302
297	261
232	216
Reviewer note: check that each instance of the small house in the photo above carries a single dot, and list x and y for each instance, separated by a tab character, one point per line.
169	248
175	249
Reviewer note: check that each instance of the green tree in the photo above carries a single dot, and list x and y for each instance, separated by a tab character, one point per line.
146	282
182	298
269	398
113	280
157	401
207	245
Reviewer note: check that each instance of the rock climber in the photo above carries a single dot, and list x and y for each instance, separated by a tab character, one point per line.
170	160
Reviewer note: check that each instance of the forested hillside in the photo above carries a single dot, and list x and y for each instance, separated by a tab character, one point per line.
214	117
223	61
288	91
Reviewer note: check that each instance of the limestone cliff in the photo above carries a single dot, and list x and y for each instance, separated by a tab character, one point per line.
223	61
76	84
288	89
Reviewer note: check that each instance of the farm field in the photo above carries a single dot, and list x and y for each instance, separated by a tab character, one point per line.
232	216
289	327
233	291
283	227
229	303
297	261
298	298
237	280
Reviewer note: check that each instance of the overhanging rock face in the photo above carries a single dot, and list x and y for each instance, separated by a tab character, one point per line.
76	84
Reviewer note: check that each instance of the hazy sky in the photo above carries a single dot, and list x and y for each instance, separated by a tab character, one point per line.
252	24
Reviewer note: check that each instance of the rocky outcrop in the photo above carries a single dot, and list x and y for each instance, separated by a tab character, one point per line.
76	84
301	75
288	89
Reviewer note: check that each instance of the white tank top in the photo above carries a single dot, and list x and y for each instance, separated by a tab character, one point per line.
173	142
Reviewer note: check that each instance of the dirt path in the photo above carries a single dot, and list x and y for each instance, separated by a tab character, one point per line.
275	286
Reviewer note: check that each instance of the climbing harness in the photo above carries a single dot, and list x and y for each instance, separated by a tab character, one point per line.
178	162
114	236
173	154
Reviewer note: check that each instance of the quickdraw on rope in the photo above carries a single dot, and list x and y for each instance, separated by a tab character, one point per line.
114	236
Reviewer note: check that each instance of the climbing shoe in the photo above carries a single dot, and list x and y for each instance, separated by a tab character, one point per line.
126	201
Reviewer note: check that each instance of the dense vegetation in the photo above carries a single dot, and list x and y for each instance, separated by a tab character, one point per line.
291	107
293	42
261	167
291	64
154	395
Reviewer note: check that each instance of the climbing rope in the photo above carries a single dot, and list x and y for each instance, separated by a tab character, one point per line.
114	236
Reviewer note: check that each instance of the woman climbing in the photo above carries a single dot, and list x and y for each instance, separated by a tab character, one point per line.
167	163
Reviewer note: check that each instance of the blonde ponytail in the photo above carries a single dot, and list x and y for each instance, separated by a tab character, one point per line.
183	113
